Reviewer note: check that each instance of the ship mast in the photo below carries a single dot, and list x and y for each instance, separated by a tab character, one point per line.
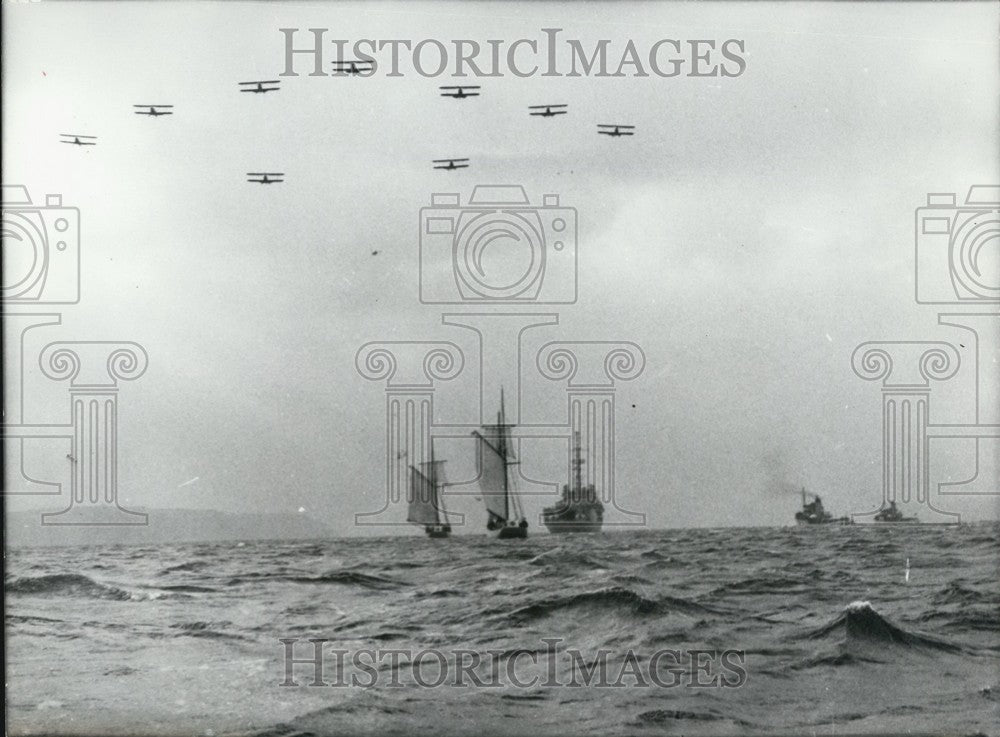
503	454
577	464
495	478
438	487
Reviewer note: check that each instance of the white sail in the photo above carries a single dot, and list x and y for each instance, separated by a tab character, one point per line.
434	471
493	473
422	496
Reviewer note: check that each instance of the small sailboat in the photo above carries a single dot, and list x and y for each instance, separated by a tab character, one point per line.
505	515
426	499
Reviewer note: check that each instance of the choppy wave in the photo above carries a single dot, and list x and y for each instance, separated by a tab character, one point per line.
191	566
783	596
349	578
210	630
957	593
73	585
861	625
615	598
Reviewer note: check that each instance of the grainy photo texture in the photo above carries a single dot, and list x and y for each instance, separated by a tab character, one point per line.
501	368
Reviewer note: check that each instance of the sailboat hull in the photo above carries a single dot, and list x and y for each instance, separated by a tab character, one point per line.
512	532
438	531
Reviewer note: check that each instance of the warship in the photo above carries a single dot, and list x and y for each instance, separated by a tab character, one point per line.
426	500
579	509
505	516
892	515
812	513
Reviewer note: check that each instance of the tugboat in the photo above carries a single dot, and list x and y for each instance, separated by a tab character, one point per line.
426	500
505	516
892	515
579	510
814	514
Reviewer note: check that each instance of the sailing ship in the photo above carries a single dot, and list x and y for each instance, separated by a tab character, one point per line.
505	516
892	515
579	509
426	500
814	514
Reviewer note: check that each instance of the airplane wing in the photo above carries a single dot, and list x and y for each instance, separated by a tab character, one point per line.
78	140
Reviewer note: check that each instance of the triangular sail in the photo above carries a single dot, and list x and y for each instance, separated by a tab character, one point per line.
434	471
423	498
493	472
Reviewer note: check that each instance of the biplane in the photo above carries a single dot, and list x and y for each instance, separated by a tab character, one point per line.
74	139
615	129
154	110
460	93
265	177
451	164
259	87
355	68
547	111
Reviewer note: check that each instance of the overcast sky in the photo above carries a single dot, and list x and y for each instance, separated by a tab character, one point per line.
748	237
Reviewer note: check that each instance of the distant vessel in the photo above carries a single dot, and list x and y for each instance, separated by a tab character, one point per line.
814	514
426	500
892	515
505	516
579	510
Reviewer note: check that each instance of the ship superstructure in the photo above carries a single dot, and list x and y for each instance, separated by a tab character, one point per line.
813	513
579	509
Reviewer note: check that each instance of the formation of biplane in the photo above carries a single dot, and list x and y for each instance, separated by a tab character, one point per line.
359	67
